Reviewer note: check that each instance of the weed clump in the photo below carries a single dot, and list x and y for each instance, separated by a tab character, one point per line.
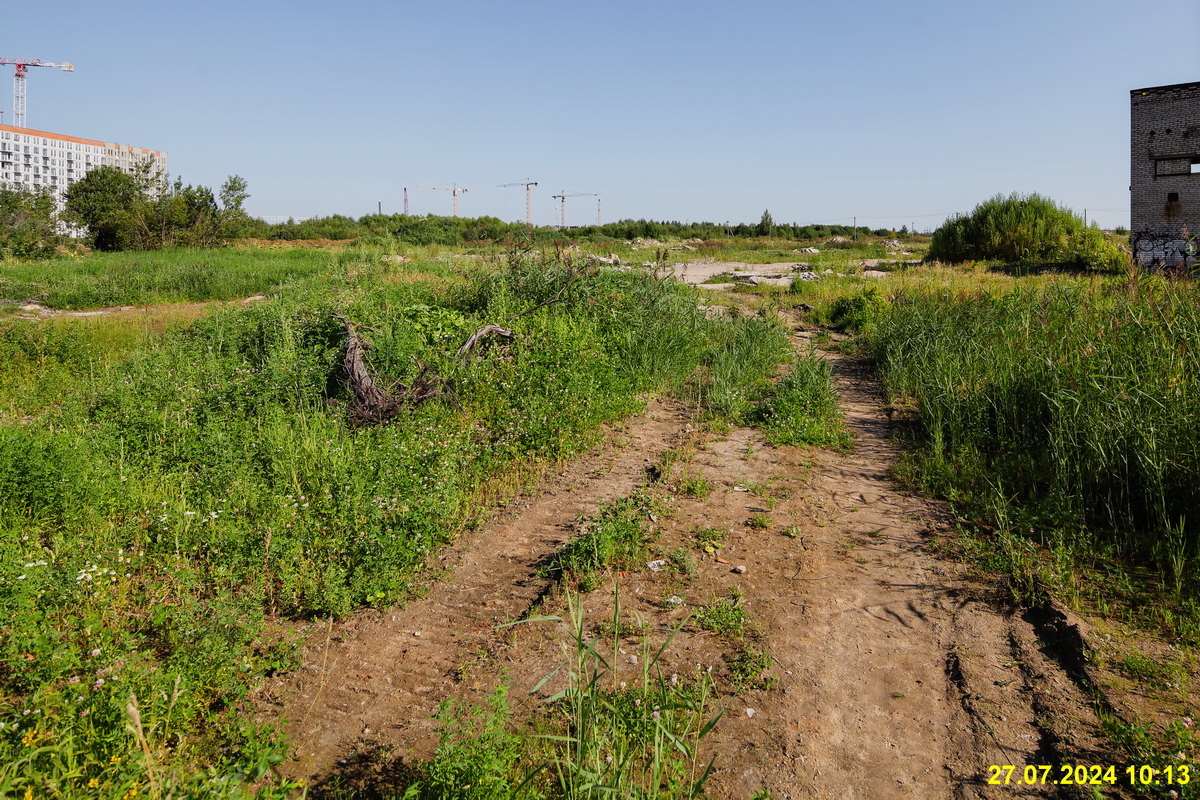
804	408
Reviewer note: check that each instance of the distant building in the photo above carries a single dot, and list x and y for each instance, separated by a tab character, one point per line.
1164	180
54	161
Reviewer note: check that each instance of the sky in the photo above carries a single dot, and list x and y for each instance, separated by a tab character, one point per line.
822	112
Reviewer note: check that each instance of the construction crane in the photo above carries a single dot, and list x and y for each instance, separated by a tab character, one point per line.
22	65
526	183
452	188
562	218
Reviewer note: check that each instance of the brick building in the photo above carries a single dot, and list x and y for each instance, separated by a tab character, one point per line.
1164	175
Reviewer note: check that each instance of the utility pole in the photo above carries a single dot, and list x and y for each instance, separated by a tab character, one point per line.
454	188
406	201
381	208
597	211
854	231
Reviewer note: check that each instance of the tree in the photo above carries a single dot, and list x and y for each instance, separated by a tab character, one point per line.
27	223
766	226
234	219
103	202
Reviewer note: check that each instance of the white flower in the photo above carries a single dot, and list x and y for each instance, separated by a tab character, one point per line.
96	653
20	577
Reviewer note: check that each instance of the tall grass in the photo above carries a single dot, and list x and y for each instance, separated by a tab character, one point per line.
1077	398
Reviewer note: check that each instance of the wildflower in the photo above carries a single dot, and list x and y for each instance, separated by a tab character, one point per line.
73	679
94	783
655	715
20	577
29	739
1188	722
96	653
96	686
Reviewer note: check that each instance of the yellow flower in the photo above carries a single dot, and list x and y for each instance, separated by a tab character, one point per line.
29	793
94	783
29	738
115	760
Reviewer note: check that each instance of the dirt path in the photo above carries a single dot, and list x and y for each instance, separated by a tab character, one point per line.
898	675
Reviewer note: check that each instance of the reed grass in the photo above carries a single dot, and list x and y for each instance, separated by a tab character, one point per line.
1078	397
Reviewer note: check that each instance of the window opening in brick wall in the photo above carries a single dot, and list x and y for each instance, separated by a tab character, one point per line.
1172	197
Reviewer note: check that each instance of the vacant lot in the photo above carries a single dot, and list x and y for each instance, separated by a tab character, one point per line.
692	499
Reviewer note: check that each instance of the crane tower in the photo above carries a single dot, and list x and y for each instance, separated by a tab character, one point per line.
23	65
526	183
562	220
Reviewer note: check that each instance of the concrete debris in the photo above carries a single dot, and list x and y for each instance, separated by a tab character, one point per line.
812	250
657	566
893	244
808	276
838	240
827	272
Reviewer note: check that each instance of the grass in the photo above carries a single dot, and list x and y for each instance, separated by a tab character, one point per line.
616	538
1065	406
635	738
101	280
167	497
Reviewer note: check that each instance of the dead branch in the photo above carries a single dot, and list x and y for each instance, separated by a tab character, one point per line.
373	405
486	330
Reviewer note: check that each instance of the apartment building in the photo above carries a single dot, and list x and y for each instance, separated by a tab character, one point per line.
54	161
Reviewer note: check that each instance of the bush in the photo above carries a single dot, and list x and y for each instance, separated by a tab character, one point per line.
858	312
1022	229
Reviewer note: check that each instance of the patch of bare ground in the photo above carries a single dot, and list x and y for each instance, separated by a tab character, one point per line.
891	672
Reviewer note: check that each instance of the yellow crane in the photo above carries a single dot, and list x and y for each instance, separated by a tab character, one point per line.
562	218
526	183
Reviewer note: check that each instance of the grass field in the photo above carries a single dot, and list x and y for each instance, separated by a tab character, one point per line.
101	280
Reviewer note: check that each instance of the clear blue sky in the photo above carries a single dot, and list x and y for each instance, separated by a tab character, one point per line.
894	112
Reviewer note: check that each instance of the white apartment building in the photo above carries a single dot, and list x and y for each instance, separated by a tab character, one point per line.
39	159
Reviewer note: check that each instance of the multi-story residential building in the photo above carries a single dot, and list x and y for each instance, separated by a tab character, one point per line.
54	161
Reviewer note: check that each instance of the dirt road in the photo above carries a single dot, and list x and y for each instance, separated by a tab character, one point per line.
898	674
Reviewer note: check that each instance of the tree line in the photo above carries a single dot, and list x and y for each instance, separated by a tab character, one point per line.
110	209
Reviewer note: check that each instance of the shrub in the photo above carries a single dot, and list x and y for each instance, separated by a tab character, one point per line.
1022	229
858	312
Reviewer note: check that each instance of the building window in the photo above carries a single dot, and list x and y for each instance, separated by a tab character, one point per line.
1172	197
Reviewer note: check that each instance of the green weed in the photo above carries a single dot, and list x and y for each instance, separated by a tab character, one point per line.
724	616
804	408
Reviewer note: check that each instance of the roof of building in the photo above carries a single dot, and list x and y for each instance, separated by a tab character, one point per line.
94	142
1174	87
